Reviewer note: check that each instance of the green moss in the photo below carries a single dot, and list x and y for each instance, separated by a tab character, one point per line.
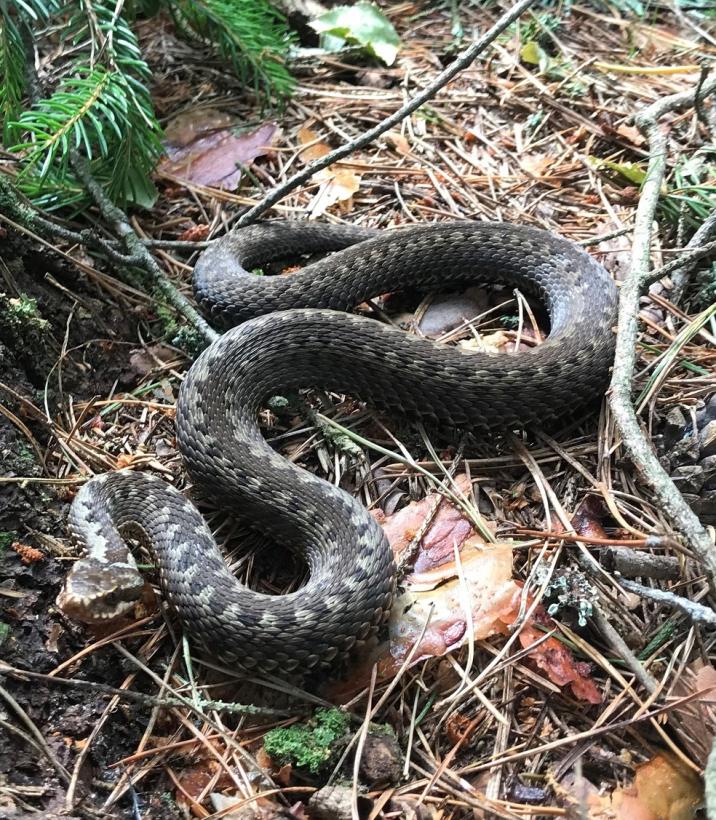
22	319
4	632
181	336
25	457
311	745
6	538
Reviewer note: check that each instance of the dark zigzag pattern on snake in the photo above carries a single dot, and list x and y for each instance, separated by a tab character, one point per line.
290	336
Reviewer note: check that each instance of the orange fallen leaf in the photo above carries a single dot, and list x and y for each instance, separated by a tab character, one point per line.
632	134
448	527
587	520
197	233
125	460
337	182
429	620
556	660
337	185
398	141
536	164
315	148
192	782
443	605
663	789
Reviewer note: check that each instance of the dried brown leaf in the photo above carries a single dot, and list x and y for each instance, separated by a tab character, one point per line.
216	160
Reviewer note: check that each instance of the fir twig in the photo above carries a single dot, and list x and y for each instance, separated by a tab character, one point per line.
138	697
250	34
101	109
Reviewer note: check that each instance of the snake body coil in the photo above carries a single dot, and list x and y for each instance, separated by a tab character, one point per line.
292	336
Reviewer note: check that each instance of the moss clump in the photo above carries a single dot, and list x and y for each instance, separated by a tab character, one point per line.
310	745
7	538
184	337
22	321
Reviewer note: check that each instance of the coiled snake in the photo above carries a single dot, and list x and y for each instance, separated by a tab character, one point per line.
289	335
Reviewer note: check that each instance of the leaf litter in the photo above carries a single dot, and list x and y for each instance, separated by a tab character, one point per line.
508	139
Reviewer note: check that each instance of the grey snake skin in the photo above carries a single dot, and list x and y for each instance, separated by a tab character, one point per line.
287	333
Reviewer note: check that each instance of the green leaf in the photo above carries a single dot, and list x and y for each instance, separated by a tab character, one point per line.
630	170
140	190
532	53
364	24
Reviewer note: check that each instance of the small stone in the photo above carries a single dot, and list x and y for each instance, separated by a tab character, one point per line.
674	426
689	478
709	467
691	499
685	451
705	507
336	803
708	412
446	312
381	761
707	439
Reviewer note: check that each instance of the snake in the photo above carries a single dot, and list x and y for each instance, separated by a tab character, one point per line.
288	332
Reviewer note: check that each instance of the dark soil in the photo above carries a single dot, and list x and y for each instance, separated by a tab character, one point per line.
33	634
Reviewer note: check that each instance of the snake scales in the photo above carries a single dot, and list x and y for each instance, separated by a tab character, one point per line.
288	334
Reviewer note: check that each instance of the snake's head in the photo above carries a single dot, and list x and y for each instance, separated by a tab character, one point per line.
97	592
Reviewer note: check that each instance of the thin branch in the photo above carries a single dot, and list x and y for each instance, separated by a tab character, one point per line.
156	276
698	247
140	698
139	257
638	448
698	613
458	65
693	253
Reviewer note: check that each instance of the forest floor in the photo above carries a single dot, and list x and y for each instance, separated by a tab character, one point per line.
517	681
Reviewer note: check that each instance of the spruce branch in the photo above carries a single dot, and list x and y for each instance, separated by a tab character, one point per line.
101	106
250	34
12	71
137	251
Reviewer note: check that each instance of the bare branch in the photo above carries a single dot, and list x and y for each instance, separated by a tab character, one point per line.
638	448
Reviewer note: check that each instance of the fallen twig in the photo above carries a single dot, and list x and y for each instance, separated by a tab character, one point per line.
140	697
696	612
633	439
679	269
157	278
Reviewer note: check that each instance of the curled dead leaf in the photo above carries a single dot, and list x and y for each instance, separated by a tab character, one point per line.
337	182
